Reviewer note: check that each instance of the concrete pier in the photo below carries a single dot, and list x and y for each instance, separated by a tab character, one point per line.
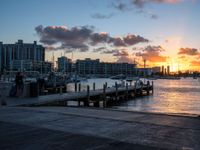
89	128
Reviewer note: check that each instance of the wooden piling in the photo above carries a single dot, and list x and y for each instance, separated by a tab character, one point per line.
60	89
86	102
135	89
75	86
94	86
66	88
126	90
104	95
79	103
106	84
66	103
141	90
116	91
148	87
152	87
79	87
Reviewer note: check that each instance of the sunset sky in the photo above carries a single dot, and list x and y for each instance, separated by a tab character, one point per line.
164	32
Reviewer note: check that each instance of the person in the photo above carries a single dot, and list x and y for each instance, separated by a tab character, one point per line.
19	84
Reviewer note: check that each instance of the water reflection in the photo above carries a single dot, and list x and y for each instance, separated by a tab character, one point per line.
170	96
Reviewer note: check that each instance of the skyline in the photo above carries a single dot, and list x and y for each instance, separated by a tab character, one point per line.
163	32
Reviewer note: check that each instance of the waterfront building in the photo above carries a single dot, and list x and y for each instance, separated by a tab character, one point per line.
104	69
64	64
156	69
87	66
21	56
144	71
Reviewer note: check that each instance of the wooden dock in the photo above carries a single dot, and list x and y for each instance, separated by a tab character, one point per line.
105	96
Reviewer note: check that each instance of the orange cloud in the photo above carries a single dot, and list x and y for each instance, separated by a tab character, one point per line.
153	54
188	51
195	63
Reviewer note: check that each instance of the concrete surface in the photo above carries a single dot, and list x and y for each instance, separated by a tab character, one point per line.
86	128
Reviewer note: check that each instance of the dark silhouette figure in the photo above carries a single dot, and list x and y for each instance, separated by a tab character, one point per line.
19	84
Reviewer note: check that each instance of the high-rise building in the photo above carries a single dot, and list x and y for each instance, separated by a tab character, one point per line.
168	70
163	70
64	64
13	56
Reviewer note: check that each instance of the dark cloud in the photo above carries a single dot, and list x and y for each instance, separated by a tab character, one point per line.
74	46
101	16
152	54
125	59
97	38
113	51
117	41
73	38
81	38
138	6
154	16
123	56
49	48
120	53
188	51
121	6
131	39
100	49
142	3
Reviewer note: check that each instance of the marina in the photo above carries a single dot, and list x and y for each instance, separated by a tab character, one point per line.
100	75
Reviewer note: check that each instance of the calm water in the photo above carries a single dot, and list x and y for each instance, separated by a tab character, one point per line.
170	96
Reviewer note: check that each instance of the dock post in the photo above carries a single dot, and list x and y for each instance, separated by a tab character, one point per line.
79	87
116	91
94	86
148	85
75	87
65	103
152	87
86	103
79	103
141	89
126	90
135	89
66	88
106	84
60	89
104	95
